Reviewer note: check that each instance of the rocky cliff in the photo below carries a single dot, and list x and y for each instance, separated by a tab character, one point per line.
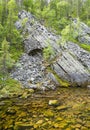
69	65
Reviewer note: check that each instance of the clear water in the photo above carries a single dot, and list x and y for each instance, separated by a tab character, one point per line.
72	112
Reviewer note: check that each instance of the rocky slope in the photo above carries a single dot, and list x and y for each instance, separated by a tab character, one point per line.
69	63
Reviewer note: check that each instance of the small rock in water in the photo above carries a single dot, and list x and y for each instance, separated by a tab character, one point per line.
53	102
83	128
48	113
78	125
88	86
2	103
39	122
11	111
31	90
61	108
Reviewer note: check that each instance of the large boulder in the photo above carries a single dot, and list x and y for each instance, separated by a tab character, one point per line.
69	63
70	69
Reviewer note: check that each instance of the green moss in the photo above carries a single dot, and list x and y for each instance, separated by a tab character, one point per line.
62	82
85	46
12	83
16	55
10	87
82	45
16	52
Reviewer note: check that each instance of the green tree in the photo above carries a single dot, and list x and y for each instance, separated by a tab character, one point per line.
63	9
19	4
12	34
28	4
11	17
43	3
6	62
71	32
53	5
48	52
1	33
3	11
87	9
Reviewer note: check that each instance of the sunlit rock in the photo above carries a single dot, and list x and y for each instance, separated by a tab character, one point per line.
53	102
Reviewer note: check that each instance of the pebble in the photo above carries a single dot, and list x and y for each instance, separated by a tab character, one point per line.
61	108
53	102
78	126
11	111
84	128
88	86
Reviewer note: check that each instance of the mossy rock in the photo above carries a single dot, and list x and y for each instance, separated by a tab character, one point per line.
53	102
23	126
61	82
85	47
60	108
11	87
48	113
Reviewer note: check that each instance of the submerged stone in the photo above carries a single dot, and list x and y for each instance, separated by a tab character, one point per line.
88	86
48	113
53	102
22	126
61	108
11	111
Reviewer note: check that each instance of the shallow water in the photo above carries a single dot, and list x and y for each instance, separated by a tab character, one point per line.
71	112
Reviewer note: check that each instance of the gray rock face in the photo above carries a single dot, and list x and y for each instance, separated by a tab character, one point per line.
84	33
80	54
32	44
84	39
69	62
85	28
71	69
31	72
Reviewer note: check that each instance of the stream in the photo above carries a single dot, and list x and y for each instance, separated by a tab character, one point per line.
35	112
